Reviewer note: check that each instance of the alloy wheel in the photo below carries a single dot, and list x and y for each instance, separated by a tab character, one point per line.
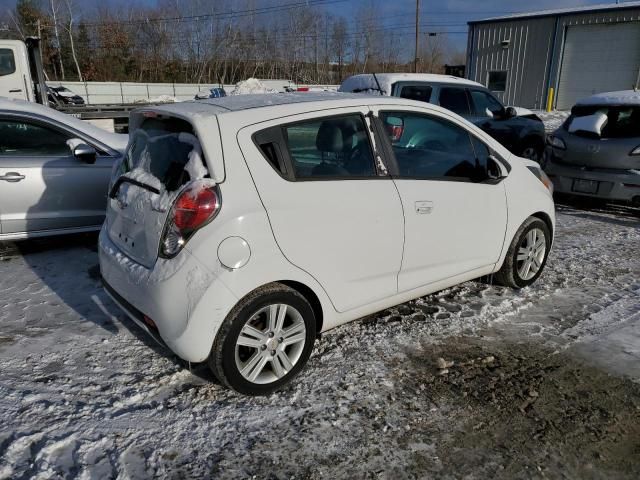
270	343
531	253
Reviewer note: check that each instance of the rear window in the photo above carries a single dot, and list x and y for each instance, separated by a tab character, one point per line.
622	121
163	148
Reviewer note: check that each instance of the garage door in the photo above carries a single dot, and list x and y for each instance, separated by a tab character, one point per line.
598	58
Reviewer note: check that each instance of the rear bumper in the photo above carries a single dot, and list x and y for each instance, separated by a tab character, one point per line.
617	186
186	302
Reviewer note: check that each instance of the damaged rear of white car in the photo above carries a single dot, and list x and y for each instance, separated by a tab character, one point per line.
161	194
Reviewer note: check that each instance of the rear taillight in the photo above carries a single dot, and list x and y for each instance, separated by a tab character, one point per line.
557	142
635	151
194	207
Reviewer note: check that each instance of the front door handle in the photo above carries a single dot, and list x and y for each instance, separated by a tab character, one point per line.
12	177
15	90
424	207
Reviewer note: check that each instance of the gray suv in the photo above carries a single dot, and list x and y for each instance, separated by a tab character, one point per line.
519	130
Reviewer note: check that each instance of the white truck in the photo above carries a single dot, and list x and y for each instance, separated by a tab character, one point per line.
22	77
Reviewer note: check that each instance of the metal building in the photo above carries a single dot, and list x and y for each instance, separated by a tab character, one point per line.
555	57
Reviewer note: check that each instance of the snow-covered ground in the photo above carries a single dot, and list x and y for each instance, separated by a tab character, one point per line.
84	394
552	120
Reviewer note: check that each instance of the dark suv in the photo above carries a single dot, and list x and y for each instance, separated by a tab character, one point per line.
522	133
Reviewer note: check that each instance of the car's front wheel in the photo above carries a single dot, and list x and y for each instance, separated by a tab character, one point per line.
265	340
527	254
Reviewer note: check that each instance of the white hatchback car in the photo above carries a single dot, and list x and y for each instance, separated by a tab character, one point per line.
240	228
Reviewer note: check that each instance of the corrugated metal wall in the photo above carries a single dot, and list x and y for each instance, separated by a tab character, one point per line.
533	57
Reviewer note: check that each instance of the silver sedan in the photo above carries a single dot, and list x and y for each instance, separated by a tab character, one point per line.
596	152
54	171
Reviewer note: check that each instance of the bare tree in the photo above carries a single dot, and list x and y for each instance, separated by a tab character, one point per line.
69	28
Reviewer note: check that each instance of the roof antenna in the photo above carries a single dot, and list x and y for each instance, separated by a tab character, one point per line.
382	92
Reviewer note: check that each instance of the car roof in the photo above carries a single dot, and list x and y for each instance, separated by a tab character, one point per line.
367	81
111	140
623	97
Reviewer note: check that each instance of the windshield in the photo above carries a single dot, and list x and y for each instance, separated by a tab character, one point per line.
620	122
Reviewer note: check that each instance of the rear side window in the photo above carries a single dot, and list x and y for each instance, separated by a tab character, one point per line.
456	100
168	150
7	62
432	148
421	93
24	139
332	147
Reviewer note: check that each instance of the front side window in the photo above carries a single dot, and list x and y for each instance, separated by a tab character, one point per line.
485	105
24	139
497	81
456	100
7	62
330	147
421	93
432	148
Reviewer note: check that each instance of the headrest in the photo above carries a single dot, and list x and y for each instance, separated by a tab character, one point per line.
330	137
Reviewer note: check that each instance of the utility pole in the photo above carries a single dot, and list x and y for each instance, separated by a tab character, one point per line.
415	61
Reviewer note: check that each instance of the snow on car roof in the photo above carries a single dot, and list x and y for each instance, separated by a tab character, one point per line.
112	140
624	97
366	81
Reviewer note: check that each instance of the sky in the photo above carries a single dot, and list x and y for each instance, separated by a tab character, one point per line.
436	16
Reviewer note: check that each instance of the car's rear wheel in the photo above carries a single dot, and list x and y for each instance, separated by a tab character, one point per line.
527	255
265	341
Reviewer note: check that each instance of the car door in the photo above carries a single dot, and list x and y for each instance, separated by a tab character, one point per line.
334	211
42	185
455	217
489	115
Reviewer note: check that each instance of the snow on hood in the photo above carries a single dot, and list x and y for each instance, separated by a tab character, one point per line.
589	123
624	97
521	112
251	86
66	93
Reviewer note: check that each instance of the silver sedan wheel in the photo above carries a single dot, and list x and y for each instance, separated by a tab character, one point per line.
531	252
270	343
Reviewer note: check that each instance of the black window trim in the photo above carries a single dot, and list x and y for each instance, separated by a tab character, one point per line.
288	162
394	170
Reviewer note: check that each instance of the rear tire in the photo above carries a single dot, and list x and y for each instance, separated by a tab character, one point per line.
533	149
527	255
265	340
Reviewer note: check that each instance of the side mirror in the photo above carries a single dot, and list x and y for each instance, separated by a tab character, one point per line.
494	170
85	153
510	112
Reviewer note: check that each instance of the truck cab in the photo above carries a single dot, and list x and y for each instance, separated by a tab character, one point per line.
15	74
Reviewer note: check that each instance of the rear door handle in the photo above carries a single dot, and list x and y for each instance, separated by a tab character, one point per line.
424	207
15	90
12	177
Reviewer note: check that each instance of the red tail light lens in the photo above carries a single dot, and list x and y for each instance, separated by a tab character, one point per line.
195	207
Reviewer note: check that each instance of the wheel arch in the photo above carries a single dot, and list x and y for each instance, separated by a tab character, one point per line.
547	220
311	297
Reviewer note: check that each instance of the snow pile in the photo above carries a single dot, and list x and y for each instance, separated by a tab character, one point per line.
251	86
589	123
158	99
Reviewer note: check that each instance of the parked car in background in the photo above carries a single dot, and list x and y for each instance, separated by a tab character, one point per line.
54	171
241	227
215	92
596	152
518	129
63	96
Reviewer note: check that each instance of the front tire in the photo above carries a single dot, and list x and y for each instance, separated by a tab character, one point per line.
265	340
527	255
